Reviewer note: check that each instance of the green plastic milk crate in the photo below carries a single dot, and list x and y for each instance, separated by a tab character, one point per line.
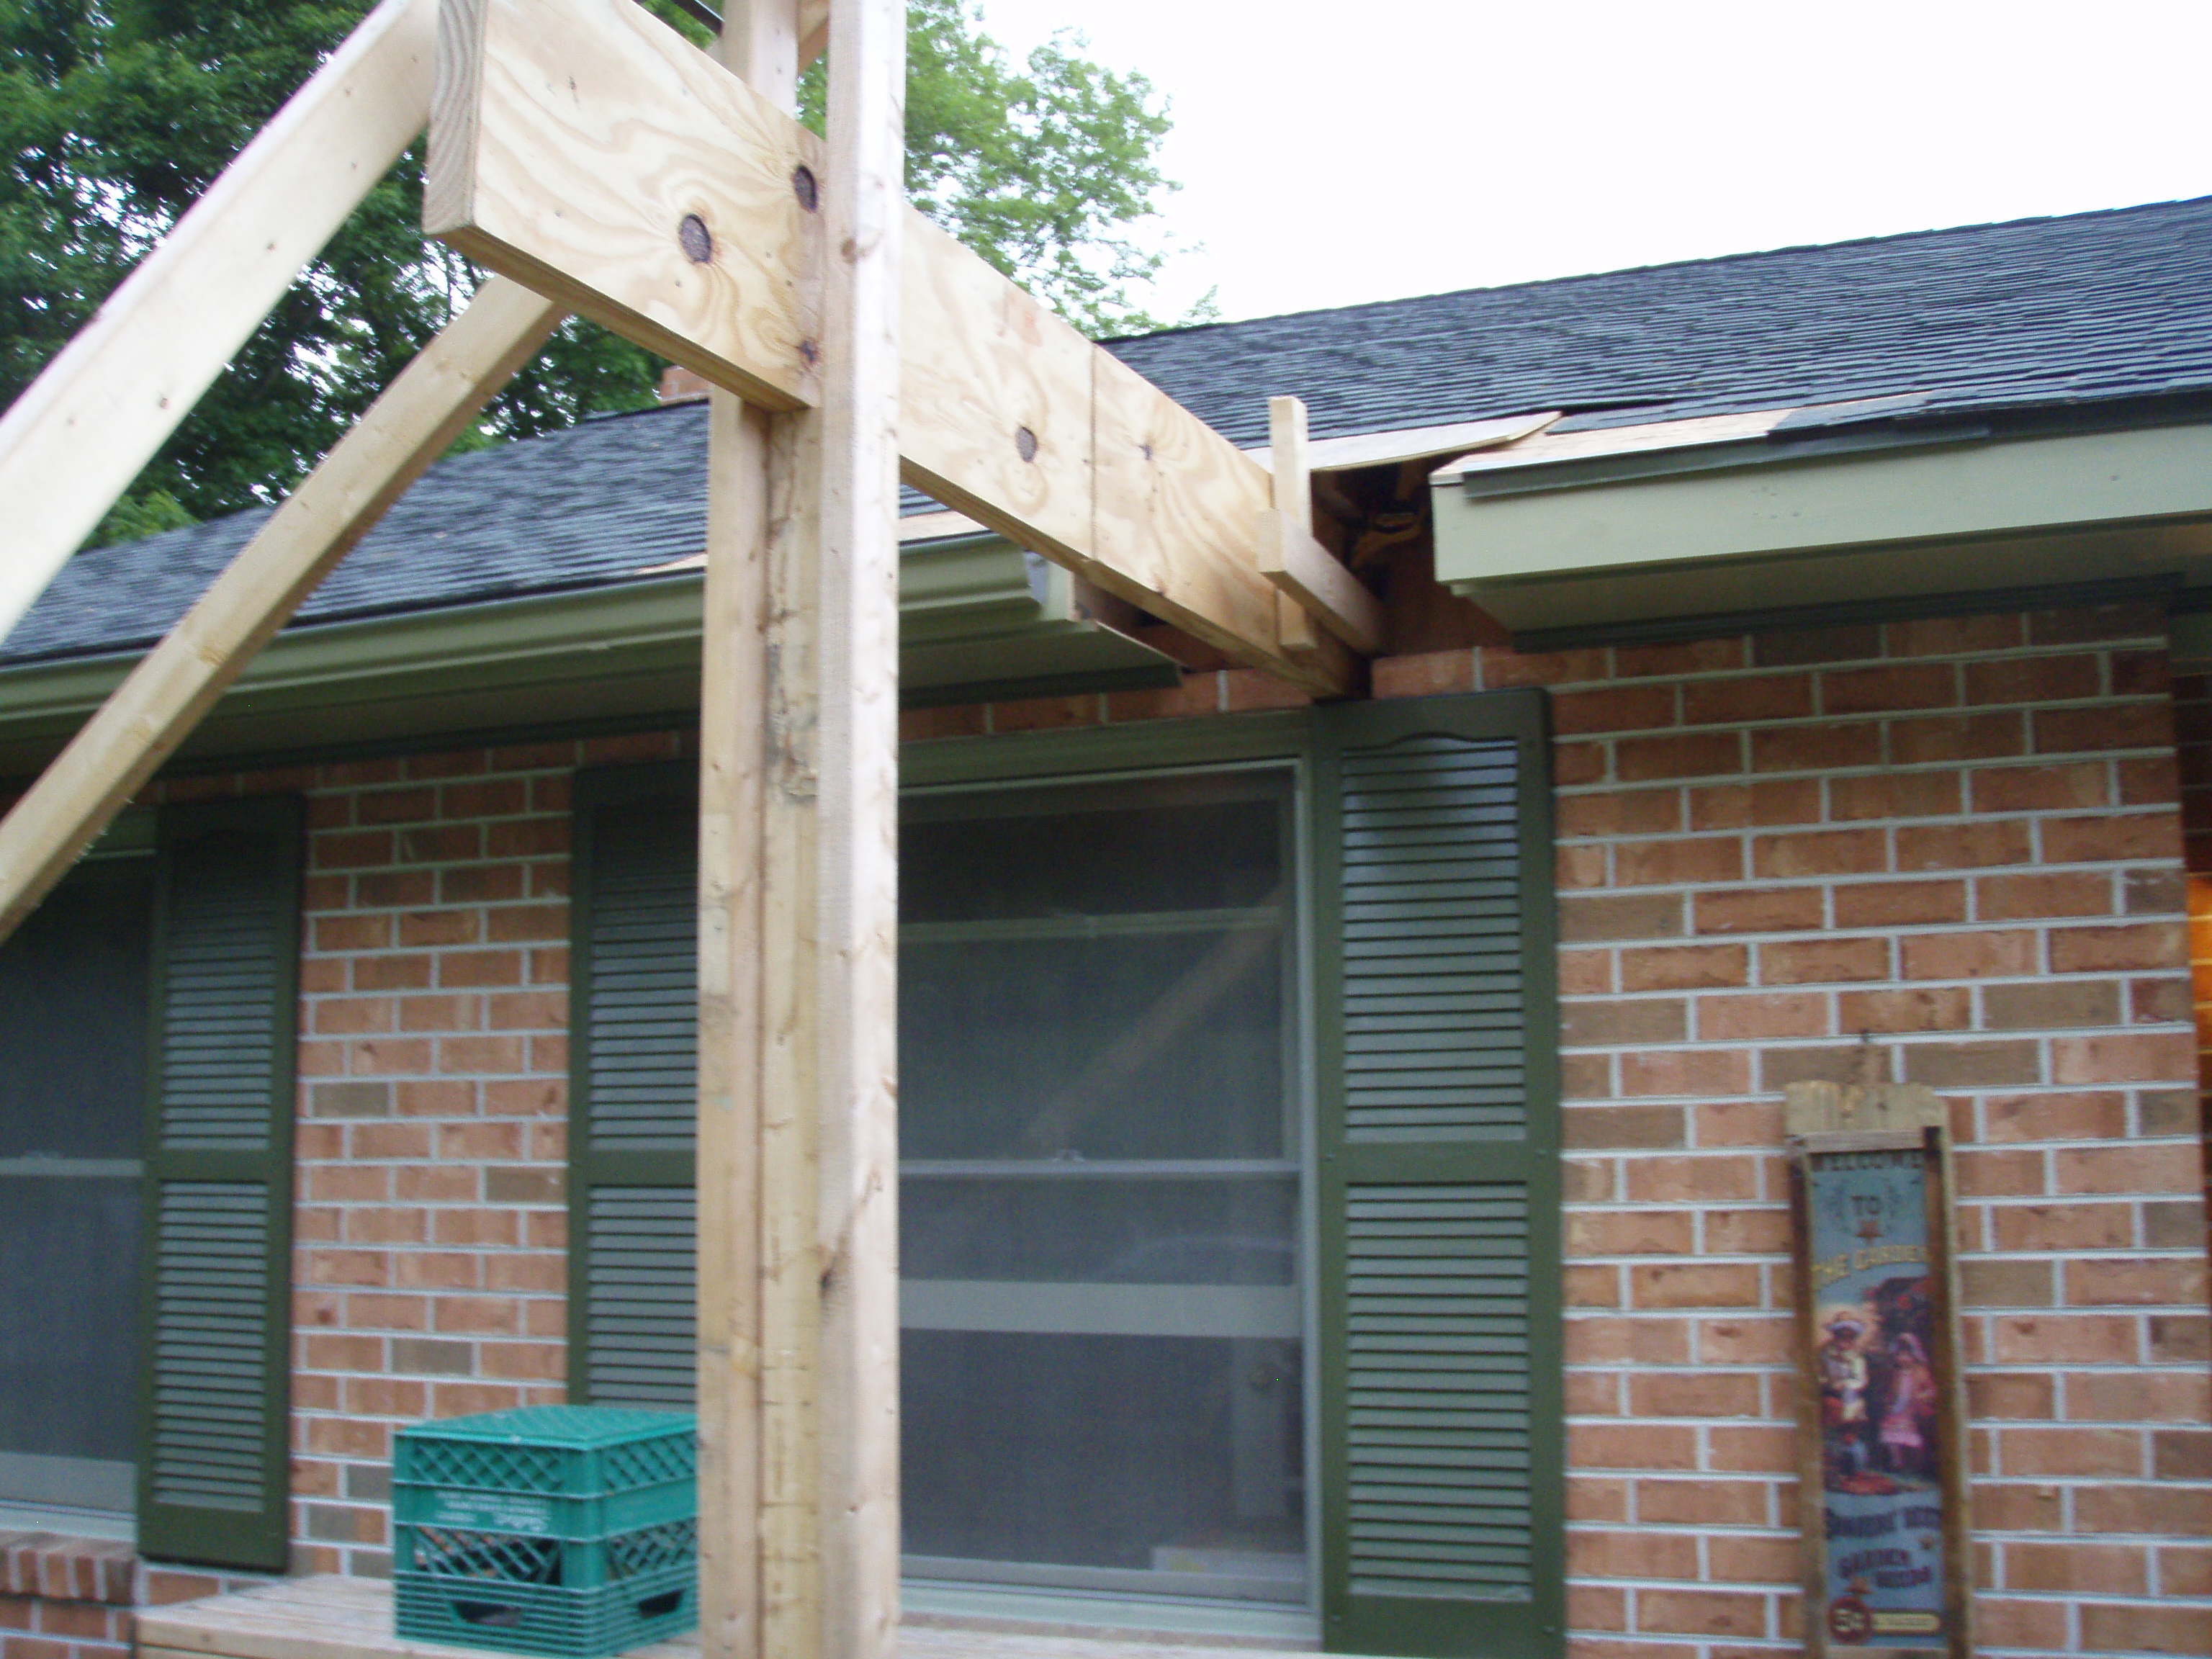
570	1531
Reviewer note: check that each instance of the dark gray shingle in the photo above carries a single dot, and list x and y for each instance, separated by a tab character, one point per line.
2095	307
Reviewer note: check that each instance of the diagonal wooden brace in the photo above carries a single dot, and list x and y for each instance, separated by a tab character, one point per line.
144	719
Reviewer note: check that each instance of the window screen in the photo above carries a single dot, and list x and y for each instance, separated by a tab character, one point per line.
73	1024
1102	1372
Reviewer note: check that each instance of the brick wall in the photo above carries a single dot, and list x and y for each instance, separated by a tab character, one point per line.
2192	719
430	1264
1958	837
73	1598
431	1254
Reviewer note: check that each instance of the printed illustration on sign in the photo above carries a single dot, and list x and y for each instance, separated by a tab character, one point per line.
1874	1319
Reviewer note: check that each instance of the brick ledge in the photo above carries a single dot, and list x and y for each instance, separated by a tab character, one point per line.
63	1568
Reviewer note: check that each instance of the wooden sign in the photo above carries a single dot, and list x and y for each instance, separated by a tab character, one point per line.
1880	1425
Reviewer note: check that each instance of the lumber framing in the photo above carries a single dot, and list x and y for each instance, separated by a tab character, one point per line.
1007	415
604	166
705	253
72	443
856	945
156	707
1290	556
798	1173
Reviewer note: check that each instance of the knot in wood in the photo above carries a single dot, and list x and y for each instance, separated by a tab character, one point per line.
696	241
1025	443
804	188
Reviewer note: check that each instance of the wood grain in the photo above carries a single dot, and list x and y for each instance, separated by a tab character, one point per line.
334	1617
415	422
80	433
569	142
1311	575
1420	443
759	1269
787	729
982	362
568	139
857	946
813	30
1613	440
1176	514
732	695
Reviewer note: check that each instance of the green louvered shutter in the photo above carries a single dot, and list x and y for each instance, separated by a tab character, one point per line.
634	1069
1438	1180
213	1467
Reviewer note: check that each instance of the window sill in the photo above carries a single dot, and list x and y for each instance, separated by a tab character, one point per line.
63	1568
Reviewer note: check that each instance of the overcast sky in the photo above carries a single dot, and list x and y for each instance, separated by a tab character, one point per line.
1335	153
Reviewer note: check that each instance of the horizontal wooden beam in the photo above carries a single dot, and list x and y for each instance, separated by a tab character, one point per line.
144	719
72	443
571	139
586	148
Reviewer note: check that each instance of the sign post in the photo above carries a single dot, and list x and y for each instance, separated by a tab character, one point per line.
1880	1423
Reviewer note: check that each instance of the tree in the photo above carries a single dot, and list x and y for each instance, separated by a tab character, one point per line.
118	114
1044	173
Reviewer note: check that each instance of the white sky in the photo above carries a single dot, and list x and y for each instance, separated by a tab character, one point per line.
1332	153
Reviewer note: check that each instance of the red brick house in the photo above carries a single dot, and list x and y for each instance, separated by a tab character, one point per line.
1828	677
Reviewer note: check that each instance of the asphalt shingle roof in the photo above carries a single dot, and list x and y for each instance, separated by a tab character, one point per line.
2038	312
2093	306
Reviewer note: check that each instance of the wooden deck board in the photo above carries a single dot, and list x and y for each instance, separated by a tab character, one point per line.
333	1618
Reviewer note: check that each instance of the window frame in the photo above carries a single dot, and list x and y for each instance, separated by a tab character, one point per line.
1313	742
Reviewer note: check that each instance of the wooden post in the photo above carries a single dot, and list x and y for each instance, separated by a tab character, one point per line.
865	200
757	1312
798	1323
155	709
731	692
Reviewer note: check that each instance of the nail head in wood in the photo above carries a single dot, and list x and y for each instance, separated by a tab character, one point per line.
695	240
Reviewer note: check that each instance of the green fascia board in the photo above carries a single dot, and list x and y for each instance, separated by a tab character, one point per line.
1865	525
977	618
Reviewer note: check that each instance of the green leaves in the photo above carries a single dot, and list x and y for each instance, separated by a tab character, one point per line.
117	114
1043	170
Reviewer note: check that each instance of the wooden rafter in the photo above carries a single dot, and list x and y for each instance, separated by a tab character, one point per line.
1007	414
72	443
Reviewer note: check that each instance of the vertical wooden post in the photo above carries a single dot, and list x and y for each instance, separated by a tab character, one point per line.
1291	481
732	665
759	1269
864	199
798	1156
1291	491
